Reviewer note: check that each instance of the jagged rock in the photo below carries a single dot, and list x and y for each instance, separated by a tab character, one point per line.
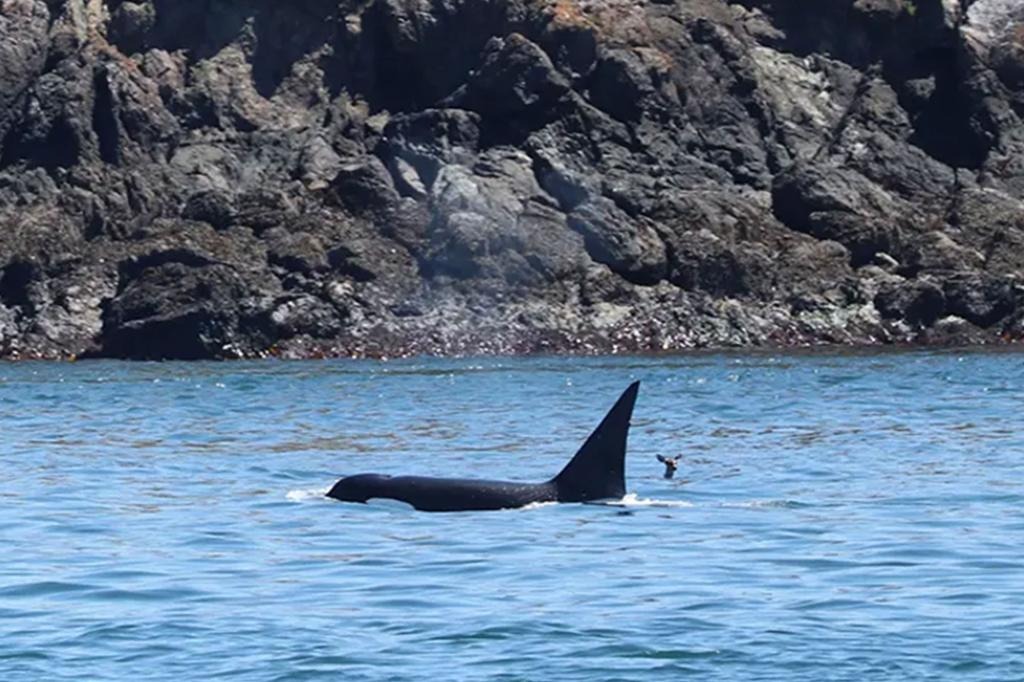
623	79
194	179
808	189
516	88
23	51
516	78
629	246
840	205
306	315
703	261
131	24
9	332
319	164
214	207
54	129
186	311
918	302
297	252
364	187
980	299
129	116
355	260
953	331
484	224
263	209
864	237
991	223
419	144
937	252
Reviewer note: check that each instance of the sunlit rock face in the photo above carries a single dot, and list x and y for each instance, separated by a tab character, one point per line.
240	179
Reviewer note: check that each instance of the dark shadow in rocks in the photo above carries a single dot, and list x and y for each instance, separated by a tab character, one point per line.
15	280
104	121
930	90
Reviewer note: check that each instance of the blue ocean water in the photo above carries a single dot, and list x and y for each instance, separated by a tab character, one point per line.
835	517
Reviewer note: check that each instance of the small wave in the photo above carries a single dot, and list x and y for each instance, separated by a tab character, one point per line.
43	588
304	495
767	504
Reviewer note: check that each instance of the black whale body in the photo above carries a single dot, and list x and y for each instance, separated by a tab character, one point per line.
596	472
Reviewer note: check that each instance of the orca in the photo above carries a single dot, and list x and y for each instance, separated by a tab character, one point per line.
596	472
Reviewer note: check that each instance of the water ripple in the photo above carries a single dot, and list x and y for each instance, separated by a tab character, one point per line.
840	517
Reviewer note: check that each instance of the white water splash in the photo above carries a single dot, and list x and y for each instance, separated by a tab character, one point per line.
765	504
634	500
306	495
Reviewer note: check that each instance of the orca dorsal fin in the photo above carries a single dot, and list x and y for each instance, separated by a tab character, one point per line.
597	470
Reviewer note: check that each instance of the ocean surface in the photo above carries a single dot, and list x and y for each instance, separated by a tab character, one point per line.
835	517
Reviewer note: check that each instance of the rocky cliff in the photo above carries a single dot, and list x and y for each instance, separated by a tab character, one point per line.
236	178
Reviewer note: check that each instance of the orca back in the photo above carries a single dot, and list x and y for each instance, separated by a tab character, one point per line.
598	469
596	472
442	494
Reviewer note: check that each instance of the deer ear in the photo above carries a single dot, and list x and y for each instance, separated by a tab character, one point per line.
661	459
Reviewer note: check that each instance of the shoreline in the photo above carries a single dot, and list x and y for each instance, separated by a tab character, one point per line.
801	350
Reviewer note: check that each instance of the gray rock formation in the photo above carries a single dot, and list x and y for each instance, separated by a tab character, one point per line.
193	179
